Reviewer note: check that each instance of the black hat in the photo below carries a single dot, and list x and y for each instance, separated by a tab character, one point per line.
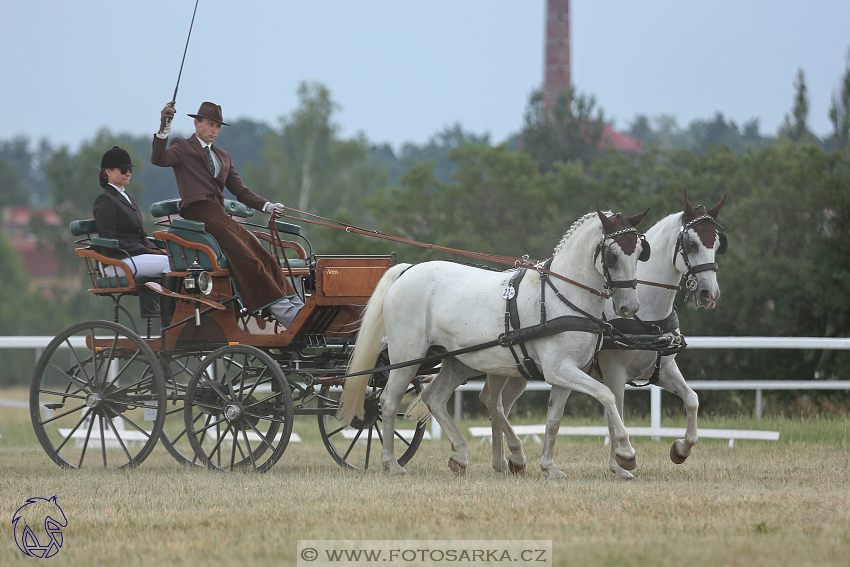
116	157
209	110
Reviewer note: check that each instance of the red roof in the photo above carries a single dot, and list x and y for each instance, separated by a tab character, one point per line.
36	262
20	216
620	142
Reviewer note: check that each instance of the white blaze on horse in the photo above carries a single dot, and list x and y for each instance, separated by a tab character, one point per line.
446	305
684	246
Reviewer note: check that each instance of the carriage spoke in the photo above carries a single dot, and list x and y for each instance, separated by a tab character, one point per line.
353	443
73	379
69	412
59	448
86	445
102	440
248	444
120	440
368	448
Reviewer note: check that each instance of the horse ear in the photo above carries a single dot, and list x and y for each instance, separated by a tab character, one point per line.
689	213
716	208
635	220
607	224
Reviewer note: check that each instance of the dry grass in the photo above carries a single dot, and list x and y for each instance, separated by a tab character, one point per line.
759	504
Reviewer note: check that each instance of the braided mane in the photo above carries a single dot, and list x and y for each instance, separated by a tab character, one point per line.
572	229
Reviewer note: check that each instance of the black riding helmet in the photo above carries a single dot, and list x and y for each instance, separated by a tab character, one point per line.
116	157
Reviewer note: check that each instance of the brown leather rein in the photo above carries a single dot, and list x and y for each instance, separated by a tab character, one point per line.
524	262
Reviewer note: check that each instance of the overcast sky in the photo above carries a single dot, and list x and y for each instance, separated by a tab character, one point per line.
403	70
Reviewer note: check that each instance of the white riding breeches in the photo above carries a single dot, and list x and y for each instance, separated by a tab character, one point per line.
143	265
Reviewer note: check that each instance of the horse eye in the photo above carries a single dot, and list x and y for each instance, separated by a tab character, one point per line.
611	257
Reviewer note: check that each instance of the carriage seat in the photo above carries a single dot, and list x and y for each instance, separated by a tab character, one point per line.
102	282
193	231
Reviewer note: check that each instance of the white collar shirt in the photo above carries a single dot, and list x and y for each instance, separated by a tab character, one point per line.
216	161
123	193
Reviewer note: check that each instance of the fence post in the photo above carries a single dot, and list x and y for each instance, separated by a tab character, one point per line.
458	405
758	405
655	408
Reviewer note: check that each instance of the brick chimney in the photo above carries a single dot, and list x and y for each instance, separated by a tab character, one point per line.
557	51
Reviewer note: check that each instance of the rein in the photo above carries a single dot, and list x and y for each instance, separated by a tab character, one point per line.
525	261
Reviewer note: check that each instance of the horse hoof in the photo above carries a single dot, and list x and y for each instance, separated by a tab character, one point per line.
675	456
516	469
457	468
628	464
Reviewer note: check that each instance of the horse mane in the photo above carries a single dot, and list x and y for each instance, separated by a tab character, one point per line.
572	229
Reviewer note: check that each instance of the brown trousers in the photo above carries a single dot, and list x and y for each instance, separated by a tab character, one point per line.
259	277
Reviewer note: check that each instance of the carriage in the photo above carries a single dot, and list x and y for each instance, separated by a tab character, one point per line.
193	370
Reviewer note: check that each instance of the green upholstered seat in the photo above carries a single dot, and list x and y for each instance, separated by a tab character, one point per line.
83	226
294	263
193	231
288	228
171	207
165	208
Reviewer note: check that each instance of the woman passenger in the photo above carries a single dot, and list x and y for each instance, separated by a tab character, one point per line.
117	216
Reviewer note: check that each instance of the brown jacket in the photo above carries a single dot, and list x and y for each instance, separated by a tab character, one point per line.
194	180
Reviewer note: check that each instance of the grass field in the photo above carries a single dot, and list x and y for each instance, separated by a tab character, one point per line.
757	504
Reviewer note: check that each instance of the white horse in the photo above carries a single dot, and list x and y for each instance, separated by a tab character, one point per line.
684	245
451	306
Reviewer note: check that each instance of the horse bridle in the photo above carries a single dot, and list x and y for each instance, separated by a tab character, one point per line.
683	245
602	248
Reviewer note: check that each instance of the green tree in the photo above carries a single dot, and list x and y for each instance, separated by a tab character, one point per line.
572	130
839	111
795	125
306	165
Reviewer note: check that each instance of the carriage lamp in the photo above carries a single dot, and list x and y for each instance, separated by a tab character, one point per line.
198	280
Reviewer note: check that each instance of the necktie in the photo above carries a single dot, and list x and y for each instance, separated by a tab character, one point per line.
210	163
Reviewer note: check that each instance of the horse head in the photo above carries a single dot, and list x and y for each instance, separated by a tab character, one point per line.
700	239
616	258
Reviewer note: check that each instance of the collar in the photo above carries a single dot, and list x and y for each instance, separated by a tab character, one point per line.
203	143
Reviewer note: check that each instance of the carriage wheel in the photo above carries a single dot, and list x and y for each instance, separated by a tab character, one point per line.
358	446
238	410
100	407
179	368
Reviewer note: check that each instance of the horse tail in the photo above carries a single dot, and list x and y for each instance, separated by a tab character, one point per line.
369	344
418	410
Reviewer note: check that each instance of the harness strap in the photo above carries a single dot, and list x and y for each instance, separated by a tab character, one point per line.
527	367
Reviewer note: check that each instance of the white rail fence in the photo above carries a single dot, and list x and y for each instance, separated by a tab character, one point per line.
759	386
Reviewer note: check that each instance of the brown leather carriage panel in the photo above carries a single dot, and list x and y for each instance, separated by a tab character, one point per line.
348	281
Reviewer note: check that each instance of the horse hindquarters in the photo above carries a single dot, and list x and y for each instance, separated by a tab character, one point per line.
367	347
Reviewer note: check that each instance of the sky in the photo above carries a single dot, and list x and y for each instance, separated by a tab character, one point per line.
400	70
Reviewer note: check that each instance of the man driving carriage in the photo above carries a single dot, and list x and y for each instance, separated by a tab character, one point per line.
202	172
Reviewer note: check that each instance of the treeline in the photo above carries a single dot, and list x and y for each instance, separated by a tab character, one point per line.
787	215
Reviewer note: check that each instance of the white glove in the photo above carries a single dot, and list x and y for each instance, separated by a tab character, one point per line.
165	121
276	209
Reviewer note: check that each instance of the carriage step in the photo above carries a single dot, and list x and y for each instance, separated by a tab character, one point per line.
407	434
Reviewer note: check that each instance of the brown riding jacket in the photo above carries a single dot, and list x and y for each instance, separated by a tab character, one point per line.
188	159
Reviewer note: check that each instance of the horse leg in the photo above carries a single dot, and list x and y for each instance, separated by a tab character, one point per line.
510	394
569	376
670	378
498	401
391	397
615	376
557	400
436	395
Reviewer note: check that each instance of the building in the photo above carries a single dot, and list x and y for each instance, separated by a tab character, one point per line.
556	70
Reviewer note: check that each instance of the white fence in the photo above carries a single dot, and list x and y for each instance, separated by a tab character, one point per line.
808	343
